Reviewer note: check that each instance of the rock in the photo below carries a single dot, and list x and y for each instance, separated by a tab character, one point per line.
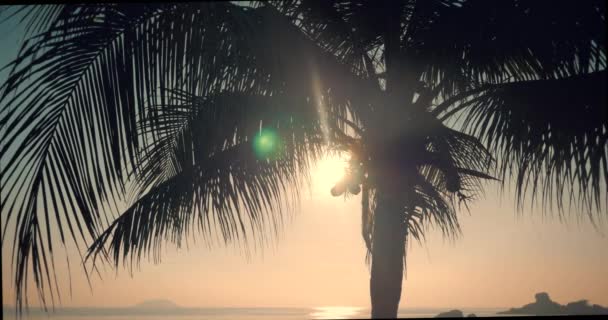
450	314
472	315
542	297
578	307
597	309
583	307
544	306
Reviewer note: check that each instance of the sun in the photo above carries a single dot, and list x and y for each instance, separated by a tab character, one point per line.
329	170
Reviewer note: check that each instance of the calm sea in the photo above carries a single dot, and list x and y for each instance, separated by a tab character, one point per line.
333	312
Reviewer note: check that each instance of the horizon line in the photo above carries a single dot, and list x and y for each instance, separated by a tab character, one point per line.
177	306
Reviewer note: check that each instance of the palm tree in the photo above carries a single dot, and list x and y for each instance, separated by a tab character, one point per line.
158	106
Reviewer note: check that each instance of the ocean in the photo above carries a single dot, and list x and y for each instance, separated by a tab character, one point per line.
329	312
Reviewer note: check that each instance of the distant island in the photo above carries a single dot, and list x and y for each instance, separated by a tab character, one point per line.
544	306
157	304
454	314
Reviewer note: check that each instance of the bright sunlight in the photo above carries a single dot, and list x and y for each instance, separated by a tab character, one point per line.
328	171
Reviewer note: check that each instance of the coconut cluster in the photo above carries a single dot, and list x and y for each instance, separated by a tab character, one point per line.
352	180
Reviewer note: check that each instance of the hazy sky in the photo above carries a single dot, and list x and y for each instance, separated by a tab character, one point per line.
501	260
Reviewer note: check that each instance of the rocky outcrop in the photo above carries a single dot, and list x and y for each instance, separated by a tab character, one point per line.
544	306
450	314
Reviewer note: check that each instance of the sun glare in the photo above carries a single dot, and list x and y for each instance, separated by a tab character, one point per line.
328	171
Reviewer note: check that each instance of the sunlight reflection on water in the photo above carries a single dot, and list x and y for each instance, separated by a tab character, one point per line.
337	312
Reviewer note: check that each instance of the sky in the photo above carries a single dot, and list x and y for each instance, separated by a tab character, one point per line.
501	260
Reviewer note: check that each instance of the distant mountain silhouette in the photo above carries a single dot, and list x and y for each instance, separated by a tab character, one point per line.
544	306
157	304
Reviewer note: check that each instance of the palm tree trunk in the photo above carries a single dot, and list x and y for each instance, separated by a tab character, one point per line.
387	256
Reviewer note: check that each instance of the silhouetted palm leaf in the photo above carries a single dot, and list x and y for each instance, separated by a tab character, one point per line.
347	29
551	135
204	165
475	42
233	195
71	133
50	141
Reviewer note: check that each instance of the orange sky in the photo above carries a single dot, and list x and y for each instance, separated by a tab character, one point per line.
501	260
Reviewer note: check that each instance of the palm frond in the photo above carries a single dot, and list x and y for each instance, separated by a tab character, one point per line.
471	42
71	104
344	29
35	18
291	54
204	166
211	123
235	195
431	207
50	141
551	137
454	167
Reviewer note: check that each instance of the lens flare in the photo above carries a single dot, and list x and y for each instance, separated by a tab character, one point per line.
319	100
267	144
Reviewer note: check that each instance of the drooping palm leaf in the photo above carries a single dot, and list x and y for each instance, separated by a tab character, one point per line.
210	124
453	168
69	135
551	136
50	141
204	162
233	196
